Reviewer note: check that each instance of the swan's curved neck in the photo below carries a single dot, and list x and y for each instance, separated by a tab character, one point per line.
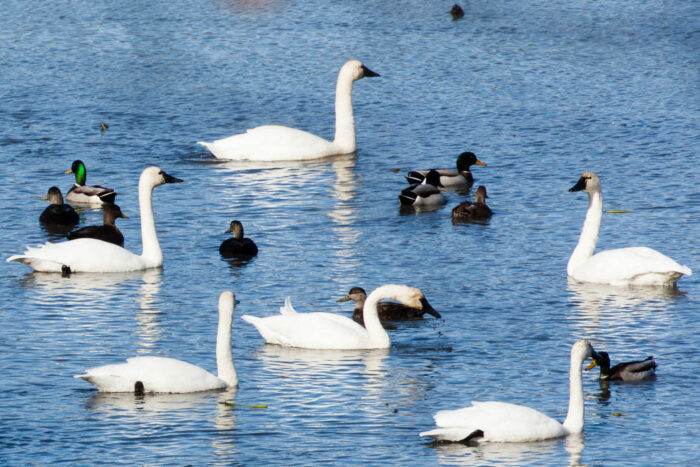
224	358
151	254
344	120
378	338
589	233
574	417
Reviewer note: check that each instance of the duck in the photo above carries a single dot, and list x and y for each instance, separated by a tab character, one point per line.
148	374
622	266
93	255
457	12
450	178
58	213
388	311
425	193
478	210
281	143
108	231
511	423
80	193
627	371
331	331
238	246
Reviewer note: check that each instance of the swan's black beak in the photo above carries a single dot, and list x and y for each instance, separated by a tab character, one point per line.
170	178
428	308
580	185
367	73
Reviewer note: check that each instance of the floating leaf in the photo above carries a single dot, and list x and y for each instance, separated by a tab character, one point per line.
234	404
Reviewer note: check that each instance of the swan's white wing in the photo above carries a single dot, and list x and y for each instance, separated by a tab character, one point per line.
311	331
80	255
635	265
499	422
271	143
288	309
157	374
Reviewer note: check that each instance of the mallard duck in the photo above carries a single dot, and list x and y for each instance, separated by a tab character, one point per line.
91	255
281	143
238	246
623	266
457	12
626	371
478	210
168	375
58	213
425	193
510	423
332	331
87	194
108	231
450	178
388	311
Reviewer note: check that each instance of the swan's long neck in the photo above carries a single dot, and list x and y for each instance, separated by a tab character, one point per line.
378	338
151	253
574	417
344	120
589	233
224	357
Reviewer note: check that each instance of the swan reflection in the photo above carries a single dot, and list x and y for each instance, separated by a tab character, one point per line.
509	453
601	307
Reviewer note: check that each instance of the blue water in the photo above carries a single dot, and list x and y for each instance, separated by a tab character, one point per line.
540	91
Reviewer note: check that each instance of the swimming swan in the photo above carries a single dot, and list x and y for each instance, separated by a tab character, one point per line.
169	375
87	194
510	423
91	255
331	331
622	266
281	143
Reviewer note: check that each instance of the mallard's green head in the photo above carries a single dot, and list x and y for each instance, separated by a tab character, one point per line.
78	168
466	160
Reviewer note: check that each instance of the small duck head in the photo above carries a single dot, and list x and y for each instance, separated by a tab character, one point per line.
54	196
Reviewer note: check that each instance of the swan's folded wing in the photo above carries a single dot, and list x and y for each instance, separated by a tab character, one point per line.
501	421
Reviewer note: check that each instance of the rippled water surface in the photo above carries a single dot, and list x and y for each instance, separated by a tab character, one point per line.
540	91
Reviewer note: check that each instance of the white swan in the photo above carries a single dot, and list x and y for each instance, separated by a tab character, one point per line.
92	255
331	331
280	143
510	423
622	266
168	375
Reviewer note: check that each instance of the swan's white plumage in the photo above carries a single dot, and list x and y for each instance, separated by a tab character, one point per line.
331	331
623	266
97	256
505	422
500	422
158	375
281	143
169	375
